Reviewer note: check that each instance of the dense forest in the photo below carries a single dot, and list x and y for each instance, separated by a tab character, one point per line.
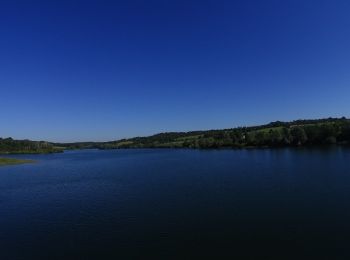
276	134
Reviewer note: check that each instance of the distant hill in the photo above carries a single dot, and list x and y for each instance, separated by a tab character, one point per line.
11	146
275	134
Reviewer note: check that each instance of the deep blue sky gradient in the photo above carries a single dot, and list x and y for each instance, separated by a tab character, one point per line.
104	70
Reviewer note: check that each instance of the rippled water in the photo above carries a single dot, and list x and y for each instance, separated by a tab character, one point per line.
177	204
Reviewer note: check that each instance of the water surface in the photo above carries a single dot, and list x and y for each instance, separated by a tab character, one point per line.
177	204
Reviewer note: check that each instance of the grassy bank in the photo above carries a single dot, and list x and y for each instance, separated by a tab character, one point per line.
11	161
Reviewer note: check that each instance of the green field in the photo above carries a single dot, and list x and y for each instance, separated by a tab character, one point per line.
11	161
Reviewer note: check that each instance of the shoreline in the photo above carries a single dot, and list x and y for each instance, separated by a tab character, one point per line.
13	161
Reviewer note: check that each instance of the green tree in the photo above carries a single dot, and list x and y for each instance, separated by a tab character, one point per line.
298	135
260	138
274	137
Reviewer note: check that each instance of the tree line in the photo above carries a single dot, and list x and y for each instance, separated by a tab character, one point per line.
9	145
275	134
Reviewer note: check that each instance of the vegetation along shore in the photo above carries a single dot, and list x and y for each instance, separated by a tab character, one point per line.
276	134
12	161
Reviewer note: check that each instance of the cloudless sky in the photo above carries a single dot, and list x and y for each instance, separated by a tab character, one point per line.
104	70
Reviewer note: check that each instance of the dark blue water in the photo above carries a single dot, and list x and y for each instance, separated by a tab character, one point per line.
177	204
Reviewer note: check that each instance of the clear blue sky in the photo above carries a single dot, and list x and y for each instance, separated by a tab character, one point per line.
104	70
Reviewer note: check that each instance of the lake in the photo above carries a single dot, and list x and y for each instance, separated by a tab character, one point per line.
177	204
